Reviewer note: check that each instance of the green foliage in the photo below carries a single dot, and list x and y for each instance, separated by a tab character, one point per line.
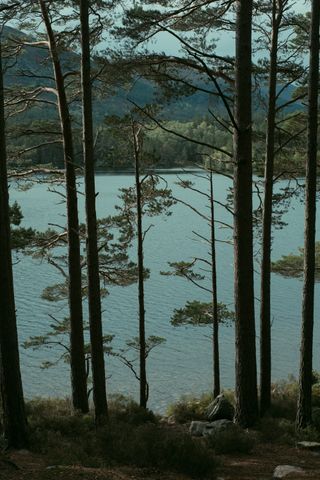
151	342
197	313
156	199
292	265
21	237
58	336
114	241
185	270
56	292
15	214
115	237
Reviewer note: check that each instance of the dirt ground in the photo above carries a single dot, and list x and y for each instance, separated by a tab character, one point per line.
259	465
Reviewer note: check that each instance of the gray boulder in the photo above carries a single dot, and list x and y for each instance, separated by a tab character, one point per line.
198	428
309	445
282	471
219	426
220	409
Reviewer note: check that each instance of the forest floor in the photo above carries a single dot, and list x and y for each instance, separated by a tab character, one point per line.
259	465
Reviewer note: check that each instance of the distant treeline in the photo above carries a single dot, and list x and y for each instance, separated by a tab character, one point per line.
164	146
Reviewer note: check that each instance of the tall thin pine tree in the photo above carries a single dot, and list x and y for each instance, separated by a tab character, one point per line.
304	413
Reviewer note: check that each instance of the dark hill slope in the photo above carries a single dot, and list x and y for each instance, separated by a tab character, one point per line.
34	60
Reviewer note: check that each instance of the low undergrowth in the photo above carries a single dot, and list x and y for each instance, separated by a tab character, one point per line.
234	441
277	427
190	407
136	437
133	436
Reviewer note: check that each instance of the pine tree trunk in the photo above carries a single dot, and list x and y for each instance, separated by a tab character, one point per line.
304	413
14	417
265	305
142	334
77	360
215	316
94	298
246	373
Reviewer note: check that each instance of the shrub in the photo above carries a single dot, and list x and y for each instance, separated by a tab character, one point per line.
158	447
64	438
316	395
231	441
56	416
316	418
275	430
284	431
44	407
130	438
310	434
190	408
125	409
284	399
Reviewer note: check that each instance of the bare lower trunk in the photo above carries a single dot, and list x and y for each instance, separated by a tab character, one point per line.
215	316
265	305
94	298
14	417
246	374
304	414
142	334
77	360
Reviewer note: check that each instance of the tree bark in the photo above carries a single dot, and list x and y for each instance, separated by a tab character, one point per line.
215	316
142	320
78	370
265	305
304	413
94	297
246	373
14	417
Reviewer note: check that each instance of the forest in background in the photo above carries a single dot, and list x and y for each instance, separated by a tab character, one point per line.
184	109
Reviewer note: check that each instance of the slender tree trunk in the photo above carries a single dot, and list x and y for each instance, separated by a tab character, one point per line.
215	316
246	371
14	417
142	334
78	371
304	413
96	335
265	305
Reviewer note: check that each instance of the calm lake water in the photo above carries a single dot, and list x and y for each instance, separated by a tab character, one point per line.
183	364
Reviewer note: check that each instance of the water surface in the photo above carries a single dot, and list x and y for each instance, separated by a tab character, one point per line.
183	364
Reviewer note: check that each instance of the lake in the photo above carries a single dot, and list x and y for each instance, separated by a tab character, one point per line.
183	364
